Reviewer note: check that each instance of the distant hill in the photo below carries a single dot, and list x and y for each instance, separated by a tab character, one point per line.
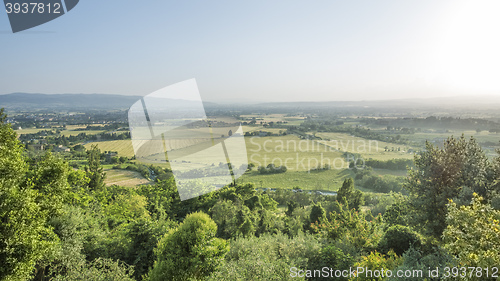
441	102
26	101
66	101
31	101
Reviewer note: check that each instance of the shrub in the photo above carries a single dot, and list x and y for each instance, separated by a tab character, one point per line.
399	239
271	169
189	251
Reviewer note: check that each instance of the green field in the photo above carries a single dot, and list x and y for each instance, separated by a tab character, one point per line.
266	118
124	178
438	137
30	131
69	131
328	180
295	153
299	155
253	128
367	148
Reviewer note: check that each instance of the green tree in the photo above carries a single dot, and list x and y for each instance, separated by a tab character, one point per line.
268	257
350	225
268	223
473	234
376	261
224	215
244	222
94	169
253	203
190	251
399	213
414	261
350	196
97	270
49	177
317	215
332	257
24	238
441	174
291	206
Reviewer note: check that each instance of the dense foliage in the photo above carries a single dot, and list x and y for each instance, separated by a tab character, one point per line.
60	223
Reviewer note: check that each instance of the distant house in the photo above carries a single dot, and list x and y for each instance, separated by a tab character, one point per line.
61	148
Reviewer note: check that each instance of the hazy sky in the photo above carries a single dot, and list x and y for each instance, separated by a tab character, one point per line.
260	50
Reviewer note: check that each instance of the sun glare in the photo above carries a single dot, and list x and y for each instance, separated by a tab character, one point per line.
469	54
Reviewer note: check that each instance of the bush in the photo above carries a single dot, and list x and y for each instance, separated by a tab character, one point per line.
98	270
189	252
332	257
399	238
375	262
414	261
268	257
271	169
473	234
384	184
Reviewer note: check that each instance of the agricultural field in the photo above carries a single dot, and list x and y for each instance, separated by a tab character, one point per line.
266	118
295	153
367	148
300	156
122	147
124	178
70	130
327	180
227	119
303	158
74	127
253	128
483	136
30	131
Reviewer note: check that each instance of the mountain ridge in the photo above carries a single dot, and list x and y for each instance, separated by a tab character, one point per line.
21	100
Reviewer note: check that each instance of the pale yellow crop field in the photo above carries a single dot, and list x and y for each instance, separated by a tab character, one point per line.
124	178
123	147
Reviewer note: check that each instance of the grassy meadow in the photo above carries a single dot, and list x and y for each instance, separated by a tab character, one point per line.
327	180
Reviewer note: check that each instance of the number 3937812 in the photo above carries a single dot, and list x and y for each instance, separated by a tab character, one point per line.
33	8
